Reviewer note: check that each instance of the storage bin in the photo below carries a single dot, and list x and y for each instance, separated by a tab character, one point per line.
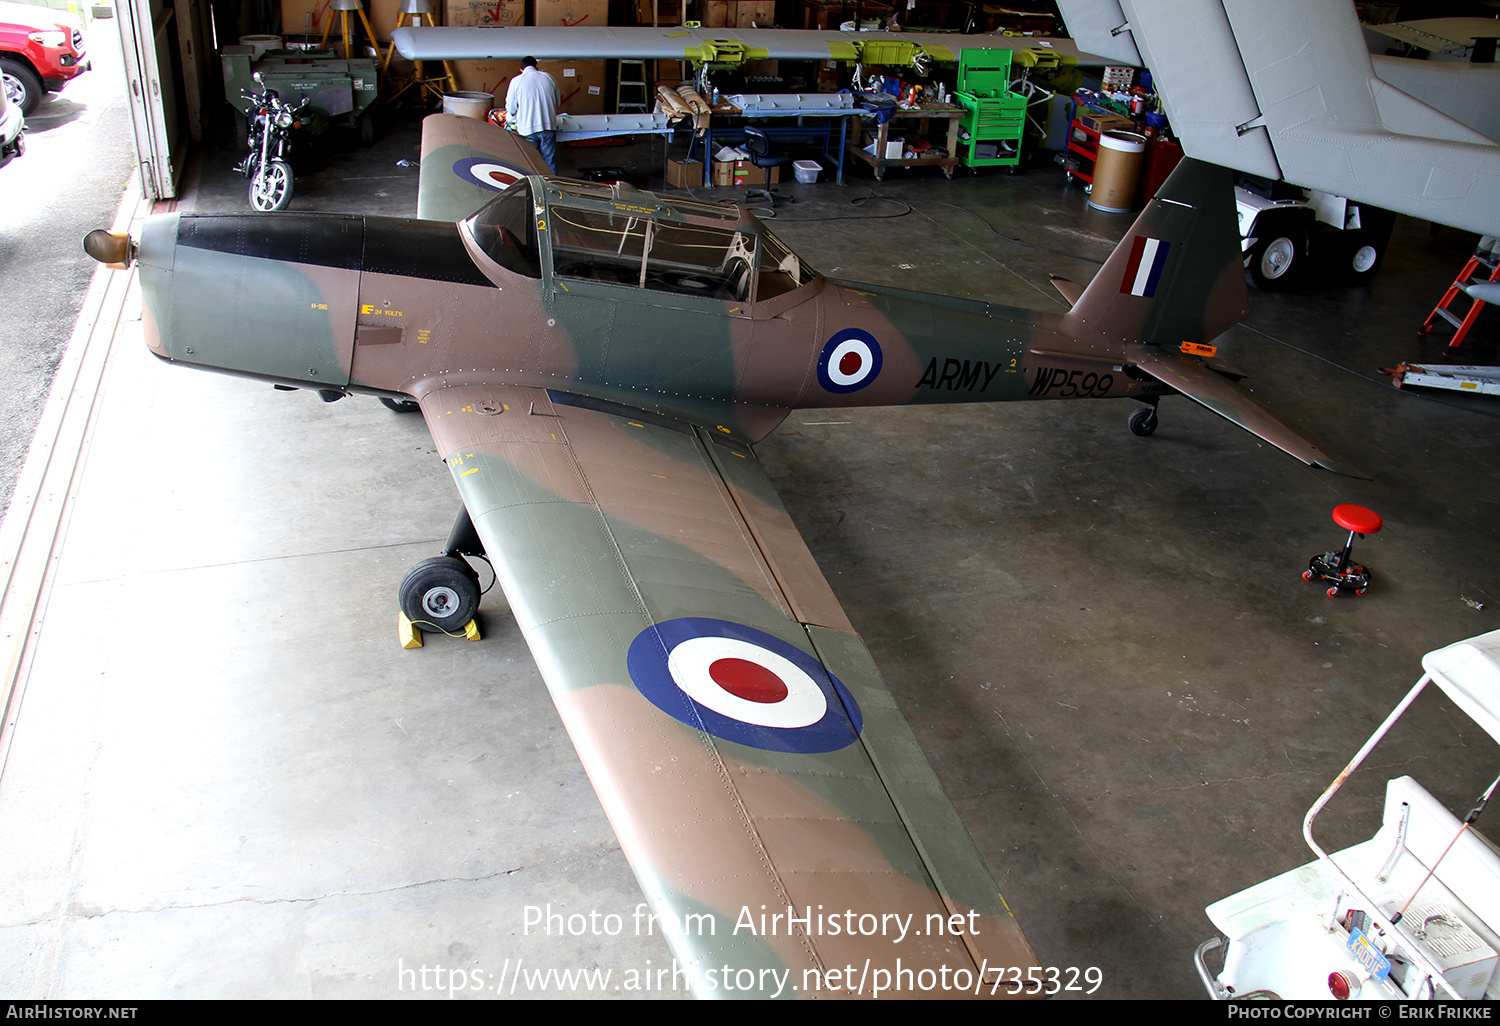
806	170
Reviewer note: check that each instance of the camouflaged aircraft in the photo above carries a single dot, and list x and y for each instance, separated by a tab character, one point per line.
595	363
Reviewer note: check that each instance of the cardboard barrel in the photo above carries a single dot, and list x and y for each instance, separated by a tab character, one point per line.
468	104
1117	171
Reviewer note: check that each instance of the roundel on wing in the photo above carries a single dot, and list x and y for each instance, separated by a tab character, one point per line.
487	172
850	360
743	685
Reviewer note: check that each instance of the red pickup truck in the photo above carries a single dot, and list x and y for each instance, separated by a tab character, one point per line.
40	50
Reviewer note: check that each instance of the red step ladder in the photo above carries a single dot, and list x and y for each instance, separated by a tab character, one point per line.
1460	286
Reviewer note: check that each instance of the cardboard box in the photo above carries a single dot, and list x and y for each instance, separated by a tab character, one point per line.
829	14
753	13
505	13
303	17
893	148
1099	121
581	84
572	12
743	172
684	174
486	77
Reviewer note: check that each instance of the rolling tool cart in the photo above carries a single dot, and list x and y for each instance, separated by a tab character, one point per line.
994	117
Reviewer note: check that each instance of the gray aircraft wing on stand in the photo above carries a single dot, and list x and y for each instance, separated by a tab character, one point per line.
1287	89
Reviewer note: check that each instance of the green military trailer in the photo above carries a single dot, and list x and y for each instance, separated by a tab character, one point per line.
340	90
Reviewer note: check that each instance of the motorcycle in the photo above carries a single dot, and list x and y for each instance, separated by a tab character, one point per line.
271	122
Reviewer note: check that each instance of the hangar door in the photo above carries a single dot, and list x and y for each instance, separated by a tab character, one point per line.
166	49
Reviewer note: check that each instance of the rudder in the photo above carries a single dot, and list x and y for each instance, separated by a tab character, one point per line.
1178	274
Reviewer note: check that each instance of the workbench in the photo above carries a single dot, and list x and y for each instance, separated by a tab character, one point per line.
923	116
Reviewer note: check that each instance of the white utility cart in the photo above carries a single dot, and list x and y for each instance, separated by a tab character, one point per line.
1412	913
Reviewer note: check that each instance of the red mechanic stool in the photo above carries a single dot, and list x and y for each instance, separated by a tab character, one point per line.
1335	566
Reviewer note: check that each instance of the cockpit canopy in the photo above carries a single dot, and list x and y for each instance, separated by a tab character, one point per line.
619	236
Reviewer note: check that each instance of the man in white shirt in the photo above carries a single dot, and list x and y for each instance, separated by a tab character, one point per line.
531	104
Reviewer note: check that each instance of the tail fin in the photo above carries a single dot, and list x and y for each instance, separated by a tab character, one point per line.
1175	283
1178	275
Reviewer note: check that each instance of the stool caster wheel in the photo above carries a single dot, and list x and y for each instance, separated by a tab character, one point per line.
1307	575
1333	592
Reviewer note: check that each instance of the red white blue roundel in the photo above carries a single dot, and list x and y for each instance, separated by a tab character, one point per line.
743	685
487	172
850	360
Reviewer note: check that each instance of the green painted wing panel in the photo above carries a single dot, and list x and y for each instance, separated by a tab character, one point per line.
466	163
635	557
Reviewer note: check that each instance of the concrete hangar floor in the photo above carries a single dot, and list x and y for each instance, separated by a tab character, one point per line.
224	779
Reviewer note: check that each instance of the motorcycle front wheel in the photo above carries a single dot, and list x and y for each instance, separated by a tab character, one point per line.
271	188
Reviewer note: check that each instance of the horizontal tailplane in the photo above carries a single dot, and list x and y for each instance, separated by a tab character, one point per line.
1191	377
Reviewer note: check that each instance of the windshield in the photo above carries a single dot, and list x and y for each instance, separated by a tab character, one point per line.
781	270
505	230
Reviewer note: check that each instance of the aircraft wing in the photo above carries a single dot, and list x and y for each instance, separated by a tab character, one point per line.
1287	89
466	163
678	42
738	734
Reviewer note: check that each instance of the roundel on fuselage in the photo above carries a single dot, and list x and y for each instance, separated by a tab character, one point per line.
850	360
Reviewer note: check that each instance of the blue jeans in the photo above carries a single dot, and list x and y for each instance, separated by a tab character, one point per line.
546	142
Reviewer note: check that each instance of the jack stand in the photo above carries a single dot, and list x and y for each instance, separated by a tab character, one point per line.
344	7
418	12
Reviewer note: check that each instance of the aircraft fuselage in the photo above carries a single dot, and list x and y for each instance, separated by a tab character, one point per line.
399	306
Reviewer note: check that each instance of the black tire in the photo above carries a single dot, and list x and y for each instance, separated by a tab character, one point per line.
271	187
366	125
441	592
1143	422
22	86
401	405
1276	260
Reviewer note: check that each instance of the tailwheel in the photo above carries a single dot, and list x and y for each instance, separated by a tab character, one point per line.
1143	421
441	592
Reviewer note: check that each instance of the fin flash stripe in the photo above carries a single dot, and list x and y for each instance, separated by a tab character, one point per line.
1143	270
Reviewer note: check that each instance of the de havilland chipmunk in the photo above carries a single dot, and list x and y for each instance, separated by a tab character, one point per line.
595	363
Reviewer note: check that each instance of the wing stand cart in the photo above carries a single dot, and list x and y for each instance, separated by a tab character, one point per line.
1411	913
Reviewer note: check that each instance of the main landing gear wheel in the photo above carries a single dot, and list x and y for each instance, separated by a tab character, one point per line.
1276	263
1143	421
441	592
